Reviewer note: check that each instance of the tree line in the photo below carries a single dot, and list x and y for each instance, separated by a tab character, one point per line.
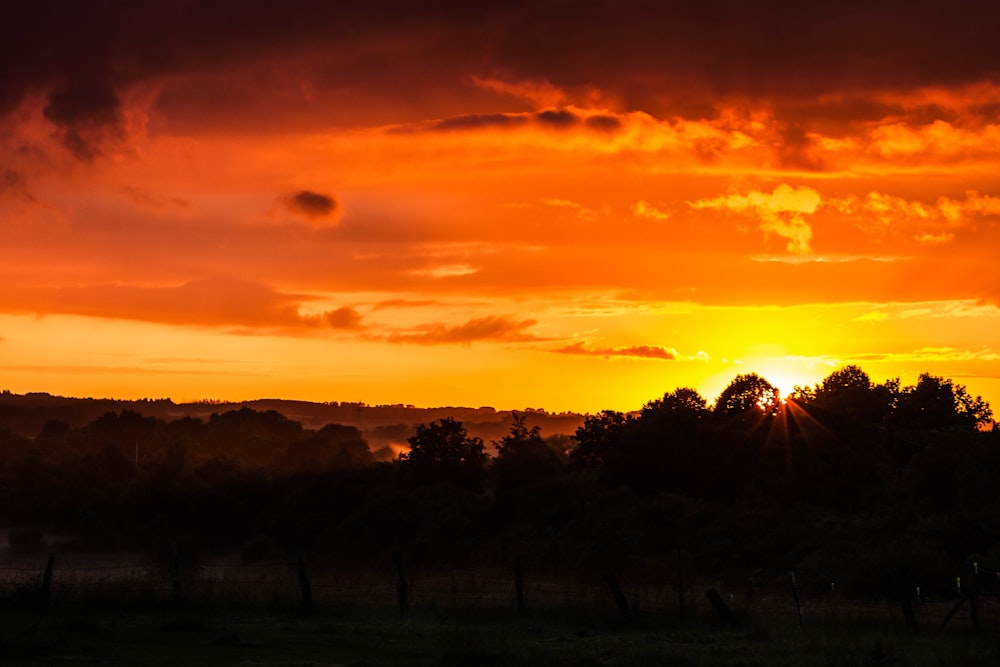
876	481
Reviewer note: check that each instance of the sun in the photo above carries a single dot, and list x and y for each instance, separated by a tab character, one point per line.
784	380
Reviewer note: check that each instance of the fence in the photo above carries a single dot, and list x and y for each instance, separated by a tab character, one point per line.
313	582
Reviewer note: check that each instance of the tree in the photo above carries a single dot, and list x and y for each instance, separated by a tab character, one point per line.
443	451
850	403
939	403
747	396
333	447
522	454
598	436
680	409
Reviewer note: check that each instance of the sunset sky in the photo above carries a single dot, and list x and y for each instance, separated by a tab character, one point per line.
557	204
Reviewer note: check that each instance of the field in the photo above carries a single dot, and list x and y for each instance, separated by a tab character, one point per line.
253	615
207	638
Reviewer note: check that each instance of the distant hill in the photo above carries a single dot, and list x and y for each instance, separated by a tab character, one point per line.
382	425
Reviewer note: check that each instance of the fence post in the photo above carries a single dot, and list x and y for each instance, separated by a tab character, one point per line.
175	571
620	600
906	603
795	596
974	596
680	588
304	588
401	597
721	608
47	583
519	586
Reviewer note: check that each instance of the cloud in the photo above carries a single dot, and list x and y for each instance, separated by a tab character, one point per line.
344	317
642	209
312	205
930	354
782	212
546	119
212	302
879	213
540	92
479	121
603	123
405	303
557	119
491	328
635	351
446	271
88	115
582	211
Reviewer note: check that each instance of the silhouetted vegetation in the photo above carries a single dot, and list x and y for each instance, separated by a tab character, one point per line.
878	485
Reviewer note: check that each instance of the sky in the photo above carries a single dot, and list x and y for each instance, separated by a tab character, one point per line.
565	205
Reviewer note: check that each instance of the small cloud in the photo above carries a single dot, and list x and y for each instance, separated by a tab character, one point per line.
446	271
479	121
558	119
582	211
636	351
405	303
934	239
642	209
491	328
701	355
876	316
312	205
343	318
781	212
540	92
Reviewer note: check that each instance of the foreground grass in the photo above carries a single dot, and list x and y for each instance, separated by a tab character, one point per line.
286	639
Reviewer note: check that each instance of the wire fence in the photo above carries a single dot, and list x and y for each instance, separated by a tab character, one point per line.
305	582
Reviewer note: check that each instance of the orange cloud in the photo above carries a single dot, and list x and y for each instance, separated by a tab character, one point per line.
782	212
636	351
642	209
213	302
492	329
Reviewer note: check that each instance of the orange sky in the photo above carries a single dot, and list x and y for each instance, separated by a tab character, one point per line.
562	205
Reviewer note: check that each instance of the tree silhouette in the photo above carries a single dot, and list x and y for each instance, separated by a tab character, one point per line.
443	451
748	397
849	403
939	403
522	455
596	439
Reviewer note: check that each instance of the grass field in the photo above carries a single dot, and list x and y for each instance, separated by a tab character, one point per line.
126	614
286	638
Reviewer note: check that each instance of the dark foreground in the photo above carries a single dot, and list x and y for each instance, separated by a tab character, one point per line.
199	637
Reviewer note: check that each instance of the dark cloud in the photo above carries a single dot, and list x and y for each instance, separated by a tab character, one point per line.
496	329
11	179
87	115
795	150
479	121
639	351
558	119
313	205
650	51
603	123
645	55
343	318
554	119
